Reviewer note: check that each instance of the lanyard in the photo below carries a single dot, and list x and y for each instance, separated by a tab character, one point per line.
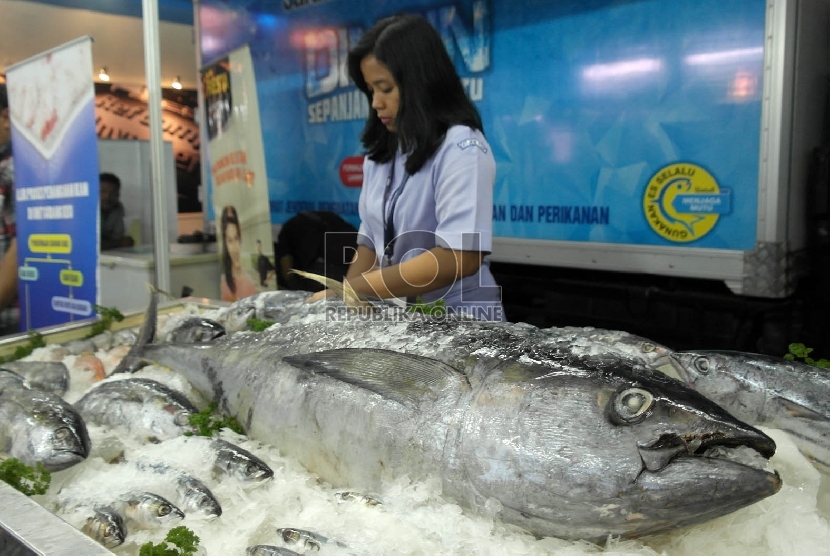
389	214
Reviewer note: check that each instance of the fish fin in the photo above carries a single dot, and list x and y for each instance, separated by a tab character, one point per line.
343	290
132	361
403	377
798	410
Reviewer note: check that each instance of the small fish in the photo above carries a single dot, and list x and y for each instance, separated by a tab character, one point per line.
39	427
102	341
268	550
147	409
223	458
145	510
279	306
189	493
236	462
590	341
302	539
192	329
48	376
125	337
106	527
148	510
351	497
78	347
767	391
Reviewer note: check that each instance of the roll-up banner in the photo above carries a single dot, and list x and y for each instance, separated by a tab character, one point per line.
237	170
56	184
610	122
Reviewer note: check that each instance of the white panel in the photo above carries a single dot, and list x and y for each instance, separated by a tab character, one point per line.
776	120
716	264
130	161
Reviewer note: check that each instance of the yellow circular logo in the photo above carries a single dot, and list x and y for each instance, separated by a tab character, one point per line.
683	202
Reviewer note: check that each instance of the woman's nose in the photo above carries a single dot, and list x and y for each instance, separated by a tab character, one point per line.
377	103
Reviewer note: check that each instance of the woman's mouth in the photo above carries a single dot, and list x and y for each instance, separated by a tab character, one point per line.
386	121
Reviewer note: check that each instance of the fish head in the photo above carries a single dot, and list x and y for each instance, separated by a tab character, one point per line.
736	379
251	470
651	353
106	527
194	329
300	538
196	498
694	366
235	317
581	453
246	467
58	436
151	509
668	420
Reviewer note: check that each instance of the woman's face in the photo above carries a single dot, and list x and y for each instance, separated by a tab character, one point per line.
232	243
386	96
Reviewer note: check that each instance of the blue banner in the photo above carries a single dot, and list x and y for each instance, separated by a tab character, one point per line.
56	185
592	108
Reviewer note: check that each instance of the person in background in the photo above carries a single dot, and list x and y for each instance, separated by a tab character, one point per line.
316	241
9	319
113	234
263	265
235	282
427	199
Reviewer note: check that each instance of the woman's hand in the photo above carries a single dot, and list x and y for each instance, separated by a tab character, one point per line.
321	295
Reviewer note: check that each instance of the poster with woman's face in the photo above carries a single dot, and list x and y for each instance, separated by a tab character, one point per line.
237	170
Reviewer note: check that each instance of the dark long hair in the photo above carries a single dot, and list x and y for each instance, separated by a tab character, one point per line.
229	216
432	98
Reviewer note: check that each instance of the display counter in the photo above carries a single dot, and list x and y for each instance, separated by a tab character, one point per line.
125	273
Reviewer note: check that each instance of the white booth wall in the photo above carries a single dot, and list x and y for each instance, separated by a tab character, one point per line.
130	160
124	273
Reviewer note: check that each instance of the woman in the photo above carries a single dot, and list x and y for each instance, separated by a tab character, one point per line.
235	283
427	198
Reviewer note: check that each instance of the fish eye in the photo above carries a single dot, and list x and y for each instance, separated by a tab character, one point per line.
632	404
649	347
182	419
165	509
290	535
702	365
62	433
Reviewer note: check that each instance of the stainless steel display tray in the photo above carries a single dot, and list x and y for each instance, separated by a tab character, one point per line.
29	529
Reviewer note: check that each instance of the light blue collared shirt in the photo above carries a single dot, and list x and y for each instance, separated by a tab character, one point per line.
447	203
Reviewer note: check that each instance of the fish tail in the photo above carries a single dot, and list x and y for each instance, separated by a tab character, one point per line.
147	334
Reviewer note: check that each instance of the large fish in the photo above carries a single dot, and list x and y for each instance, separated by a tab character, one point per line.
146	409
39	427
568	446
768	391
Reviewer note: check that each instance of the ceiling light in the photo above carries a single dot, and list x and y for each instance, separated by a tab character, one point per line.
176	84
103	75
